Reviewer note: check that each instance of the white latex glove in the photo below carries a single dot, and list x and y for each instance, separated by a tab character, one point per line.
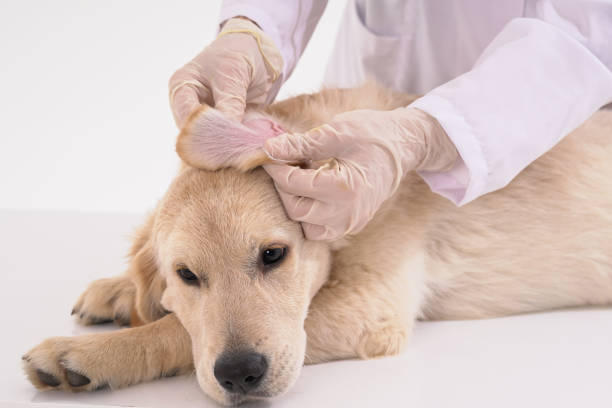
240	66
370	153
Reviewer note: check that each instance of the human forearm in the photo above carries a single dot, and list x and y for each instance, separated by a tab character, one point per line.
532	86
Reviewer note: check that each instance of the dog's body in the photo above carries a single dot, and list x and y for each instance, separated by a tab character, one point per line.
540	243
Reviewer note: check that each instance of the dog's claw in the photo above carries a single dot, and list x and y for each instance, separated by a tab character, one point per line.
99	320
103	386
47	378
122	320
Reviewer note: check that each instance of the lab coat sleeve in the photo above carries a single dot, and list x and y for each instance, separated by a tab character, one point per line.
539	79
289	23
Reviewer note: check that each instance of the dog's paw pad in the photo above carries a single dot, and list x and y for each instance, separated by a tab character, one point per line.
47	379
75	379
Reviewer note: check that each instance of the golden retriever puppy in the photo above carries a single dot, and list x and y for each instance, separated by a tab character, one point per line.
223	282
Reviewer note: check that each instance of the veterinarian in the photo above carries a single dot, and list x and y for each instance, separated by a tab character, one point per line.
503	82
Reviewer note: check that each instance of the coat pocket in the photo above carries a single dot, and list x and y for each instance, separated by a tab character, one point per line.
361	54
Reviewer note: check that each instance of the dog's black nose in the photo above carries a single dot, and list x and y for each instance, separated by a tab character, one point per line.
240	372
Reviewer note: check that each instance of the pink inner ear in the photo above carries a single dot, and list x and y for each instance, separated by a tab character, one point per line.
263	127
212	141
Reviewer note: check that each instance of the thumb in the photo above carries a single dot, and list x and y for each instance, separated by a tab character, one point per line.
316	144
183	102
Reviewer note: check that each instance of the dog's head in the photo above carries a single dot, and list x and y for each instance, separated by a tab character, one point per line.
239	275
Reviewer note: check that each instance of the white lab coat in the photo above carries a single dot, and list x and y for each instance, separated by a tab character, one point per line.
506	79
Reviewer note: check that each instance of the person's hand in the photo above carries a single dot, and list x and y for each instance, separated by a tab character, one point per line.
366	154
240	66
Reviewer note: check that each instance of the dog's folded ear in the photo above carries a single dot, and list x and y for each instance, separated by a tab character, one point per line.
210	140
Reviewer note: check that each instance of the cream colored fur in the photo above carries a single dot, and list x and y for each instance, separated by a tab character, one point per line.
542	242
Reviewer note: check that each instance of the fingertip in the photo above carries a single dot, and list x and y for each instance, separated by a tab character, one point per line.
185	98
298	208
275	169
290	179
314	232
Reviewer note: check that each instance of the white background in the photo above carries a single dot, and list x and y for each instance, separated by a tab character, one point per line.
85	127
84	117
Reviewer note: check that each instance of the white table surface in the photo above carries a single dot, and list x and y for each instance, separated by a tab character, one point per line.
554	359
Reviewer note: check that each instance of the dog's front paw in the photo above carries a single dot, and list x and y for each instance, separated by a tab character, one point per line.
387	340
106	300
66	363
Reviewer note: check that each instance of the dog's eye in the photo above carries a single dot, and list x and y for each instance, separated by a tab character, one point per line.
187	276
271	256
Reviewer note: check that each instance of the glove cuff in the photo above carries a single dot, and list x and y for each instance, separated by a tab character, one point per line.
271	55
437	152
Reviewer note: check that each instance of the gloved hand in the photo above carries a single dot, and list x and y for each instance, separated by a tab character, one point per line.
240	66
370	153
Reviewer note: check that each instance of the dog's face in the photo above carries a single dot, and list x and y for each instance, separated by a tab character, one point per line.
239	276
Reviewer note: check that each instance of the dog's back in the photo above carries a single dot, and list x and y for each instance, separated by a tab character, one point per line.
542	242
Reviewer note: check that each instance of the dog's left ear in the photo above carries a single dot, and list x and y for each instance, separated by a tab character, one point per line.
211	141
